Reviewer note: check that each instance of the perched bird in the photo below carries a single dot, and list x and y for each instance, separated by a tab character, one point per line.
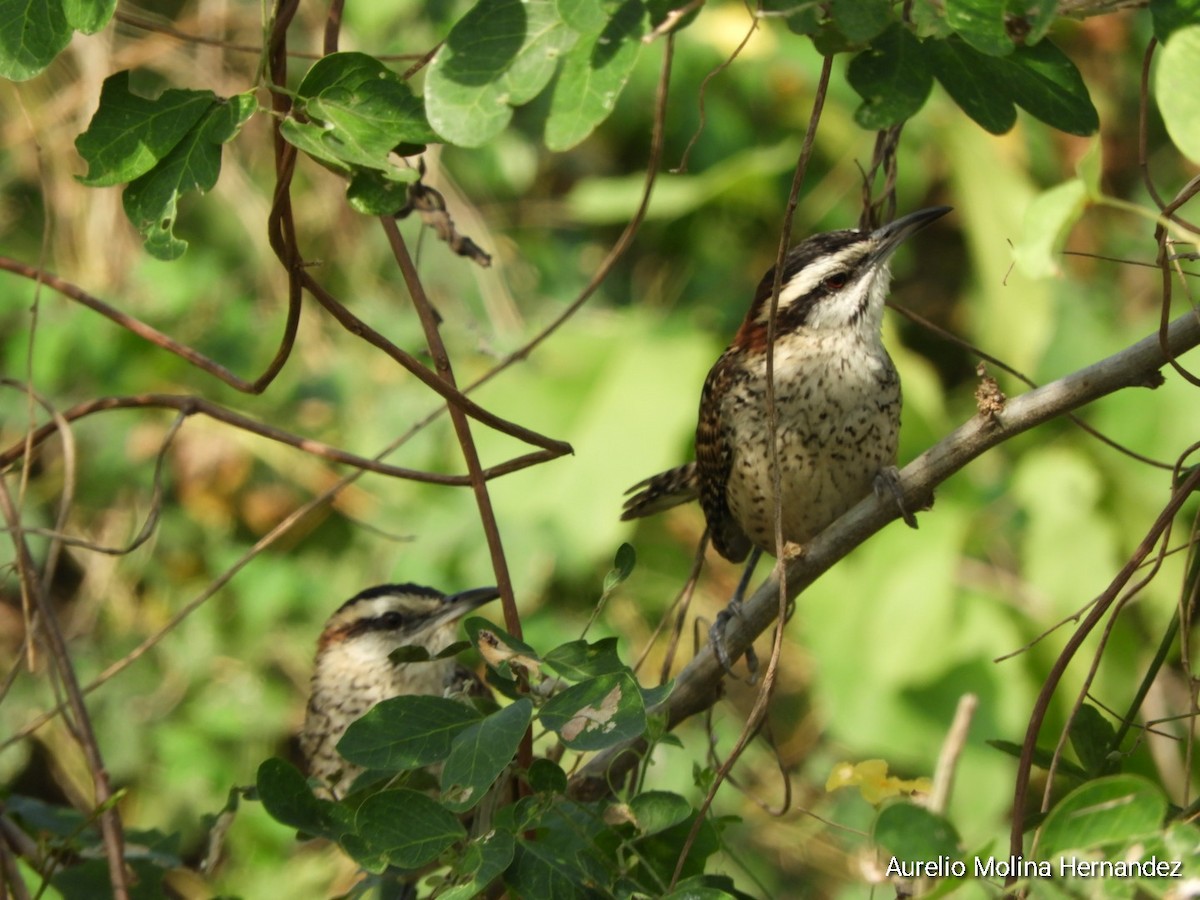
353	671
837	401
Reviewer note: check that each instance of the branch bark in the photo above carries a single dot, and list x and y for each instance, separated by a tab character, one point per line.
698	685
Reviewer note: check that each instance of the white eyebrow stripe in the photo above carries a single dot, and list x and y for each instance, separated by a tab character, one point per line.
815	272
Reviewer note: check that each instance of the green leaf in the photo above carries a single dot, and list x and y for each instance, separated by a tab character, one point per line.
565	855
661	850
406	732
89	16
659	810
970	82
498	56
375	193
914	834
31	35
407	828
1175	90
285	794
360	111
1114	810
1042	758
480	752
598	713
1048	221
578	660
804	18
1169	15
1091	738
192	165
129	135
484	859
892	78
623	564
704	887
981	24
594	73
1042	81
861	20
546	777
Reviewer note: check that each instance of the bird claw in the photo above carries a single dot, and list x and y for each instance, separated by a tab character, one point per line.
887	483
716	636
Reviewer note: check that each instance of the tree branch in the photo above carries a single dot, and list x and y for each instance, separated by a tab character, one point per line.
697	686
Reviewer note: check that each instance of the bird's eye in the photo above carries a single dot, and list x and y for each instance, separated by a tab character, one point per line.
836	281
392	621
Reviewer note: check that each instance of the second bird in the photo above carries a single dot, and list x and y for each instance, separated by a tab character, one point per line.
837	399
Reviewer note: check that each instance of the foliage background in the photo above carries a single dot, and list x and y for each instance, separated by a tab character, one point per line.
879	650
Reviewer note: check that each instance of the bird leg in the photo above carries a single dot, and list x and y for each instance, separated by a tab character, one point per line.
887	482
716	634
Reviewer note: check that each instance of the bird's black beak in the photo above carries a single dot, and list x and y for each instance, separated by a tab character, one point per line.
890	236
469	600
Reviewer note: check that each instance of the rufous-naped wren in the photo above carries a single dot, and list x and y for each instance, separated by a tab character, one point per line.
353	671
837	399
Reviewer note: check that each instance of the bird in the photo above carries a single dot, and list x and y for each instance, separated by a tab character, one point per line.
354	671
837	403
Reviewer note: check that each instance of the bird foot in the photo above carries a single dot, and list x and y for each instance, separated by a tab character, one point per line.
887	483
716	636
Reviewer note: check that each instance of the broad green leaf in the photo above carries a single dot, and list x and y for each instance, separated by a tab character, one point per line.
586	16
31	35
914	834
406	827
375	193
803	18
661	849
578	660
129	135
965	74
892	78
1048	221
659	810
360	111
1042	81
653	696
1169	15
598	713
546	776
285	794
1091	737
566	853
1042	758
1114	810
151	201
498	56
594	73
861	20
406	732
703	887
1175	90
480	752
89	16
981	23
484	859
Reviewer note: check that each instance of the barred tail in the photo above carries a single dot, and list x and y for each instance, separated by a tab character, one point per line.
662	491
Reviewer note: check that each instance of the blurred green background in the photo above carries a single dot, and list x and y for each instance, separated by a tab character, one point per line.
879	650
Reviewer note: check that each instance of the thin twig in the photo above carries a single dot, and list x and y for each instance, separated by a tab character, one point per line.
189	405
762	698
32	589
